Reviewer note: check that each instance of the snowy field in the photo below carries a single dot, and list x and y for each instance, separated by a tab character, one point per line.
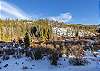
26	64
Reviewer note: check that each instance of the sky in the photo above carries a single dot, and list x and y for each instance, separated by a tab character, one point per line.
68	11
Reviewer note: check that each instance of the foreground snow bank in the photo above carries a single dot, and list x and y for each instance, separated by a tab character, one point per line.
26	64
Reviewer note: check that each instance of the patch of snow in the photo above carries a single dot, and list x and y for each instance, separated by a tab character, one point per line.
44	65
71	56
64	55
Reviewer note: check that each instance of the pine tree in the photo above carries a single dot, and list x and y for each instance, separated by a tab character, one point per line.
33	31
38	54
26	40
54	58
76	34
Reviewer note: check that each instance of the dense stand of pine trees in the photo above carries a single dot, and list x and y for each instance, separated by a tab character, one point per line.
42	28
16	29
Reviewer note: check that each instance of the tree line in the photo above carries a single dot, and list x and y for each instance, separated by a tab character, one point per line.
41	29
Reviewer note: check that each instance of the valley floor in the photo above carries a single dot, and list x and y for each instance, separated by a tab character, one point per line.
26	64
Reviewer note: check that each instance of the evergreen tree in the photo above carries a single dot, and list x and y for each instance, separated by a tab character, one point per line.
48	34
98	29
33	31
38	54
26	40
54	58
76	34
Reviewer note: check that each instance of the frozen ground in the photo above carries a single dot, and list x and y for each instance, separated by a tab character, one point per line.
44	65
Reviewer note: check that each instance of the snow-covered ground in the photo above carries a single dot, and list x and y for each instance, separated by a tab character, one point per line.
44	65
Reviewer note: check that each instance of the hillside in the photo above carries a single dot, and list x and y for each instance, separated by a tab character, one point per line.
14	29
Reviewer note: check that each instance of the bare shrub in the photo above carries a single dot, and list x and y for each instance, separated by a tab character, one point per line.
76	55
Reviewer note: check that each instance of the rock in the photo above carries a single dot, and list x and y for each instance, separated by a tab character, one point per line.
22	62
31	68
33	65
6	65
25	67
64	59
17	63
5	57
0	68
